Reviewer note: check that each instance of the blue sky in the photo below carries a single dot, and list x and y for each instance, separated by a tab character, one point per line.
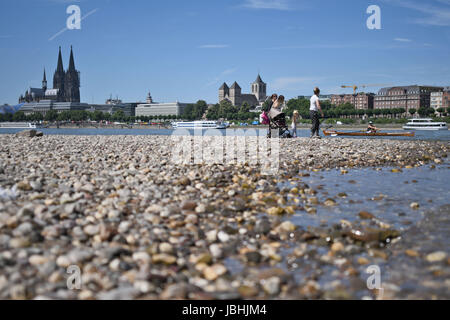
184	50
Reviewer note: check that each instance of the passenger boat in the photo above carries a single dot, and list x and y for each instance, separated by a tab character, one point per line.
200	125
17	125
335	133
425	124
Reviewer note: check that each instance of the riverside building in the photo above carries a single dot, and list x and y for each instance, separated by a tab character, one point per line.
408	97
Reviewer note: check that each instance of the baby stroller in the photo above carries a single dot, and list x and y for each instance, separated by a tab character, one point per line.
277	124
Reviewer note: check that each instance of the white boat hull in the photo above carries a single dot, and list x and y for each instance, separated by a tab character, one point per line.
199	125
425	128
18	125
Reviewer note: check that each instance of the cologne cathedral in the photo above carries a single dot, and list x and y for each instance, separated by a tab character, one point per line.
66	85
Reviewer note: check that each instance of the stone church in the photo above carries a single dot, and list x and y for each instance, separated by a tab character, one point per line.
236	97
66	85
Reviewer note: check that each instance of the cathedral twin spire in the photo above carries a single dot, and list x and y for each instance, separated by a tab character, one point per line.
68	83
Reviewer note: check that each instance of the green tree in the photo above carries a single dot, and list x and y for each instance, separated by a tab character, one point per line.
118	116
425	111
51	116
19	116
412	111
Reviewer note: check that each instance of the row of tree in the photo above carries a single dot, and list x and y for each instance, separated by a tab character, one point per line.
79	116
223	110
226	110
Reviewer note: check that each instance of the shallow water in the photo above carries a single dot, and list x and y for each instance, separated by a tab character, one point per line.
385	194
420	135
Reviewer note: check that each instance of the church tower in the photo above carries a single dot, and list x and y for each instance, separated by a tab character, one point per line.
235	94
224	91
149	98
59	78
72	81
44	82
259	89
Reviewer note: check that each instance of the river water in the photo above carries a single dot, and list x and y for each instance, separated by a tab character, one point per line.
420	135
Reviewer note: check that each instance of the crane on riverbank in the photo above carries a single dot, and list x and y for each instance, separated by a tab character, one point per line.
362	86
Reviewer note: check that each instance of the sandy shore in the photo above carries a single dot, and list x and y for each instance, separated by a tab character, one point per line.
140	226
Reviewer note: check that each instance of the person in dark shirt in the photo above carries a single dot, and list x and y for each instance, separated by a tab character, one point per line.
371	128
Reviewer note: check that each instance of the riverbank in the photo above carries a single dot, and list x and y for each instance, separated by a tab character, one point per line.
140	226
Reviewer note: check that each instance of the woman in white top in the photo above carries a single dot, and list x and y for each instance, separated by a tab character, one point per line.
314	112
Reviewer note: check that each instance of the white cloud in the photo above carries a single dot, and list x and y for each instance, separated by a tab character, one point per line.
214	46
267	4
402	40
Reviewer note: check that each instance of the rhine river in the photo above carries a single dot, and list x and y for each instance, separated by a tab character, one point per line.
420	135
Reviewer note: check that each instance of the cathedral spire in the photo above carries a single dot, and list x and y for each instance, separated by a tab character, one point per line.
44	81
71	61
60	68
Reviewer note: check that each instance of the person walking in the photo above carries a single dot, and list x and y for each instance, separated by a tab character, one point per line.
295	117
314	112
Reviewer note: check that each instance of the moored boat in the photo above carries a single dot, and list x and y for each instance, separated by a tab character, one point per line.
335	133
425	124
17	125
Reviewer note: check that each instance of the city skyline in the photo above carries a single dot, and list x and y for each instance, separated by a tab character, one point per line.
167	49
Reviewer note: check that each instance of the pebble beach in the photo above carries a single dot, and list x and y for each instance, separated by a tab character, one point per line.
139	226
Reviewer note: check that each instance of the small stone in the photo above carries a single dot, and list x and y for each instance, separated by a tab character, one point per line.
412	253
141	257
436	256
201	208
63	261
253	257
188	205
286	226
211	236
216	250
165	247
363	261
24	186
366	215
262	226
37	260
20	242
164	259
275	211
329	202
337	247
271	286
223	236
247	291
414	206
214	272
175	291
92	230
